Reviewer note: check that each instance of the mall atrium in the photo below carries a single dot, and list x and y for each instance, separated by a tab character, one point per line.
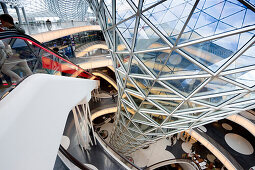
127	84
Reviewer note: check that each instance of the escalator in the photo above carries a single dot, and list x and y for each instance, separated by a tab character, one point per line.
22	56
97	155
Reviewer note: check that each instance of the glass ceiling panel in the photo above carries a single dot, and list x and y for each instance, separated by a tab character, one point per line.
174	84
64	9
215	17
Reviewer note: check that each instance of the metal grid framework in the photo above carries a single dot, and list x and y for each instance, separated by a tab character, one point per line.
69	9
64	9
179	64
38	8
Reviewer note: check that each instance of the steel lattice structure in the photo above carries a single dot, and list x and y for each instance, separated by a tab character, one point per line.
33	8
179	64
64	9
69	9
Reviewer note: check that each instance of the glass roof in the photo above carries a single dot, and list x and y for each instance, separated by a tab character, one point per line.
63	9
179	63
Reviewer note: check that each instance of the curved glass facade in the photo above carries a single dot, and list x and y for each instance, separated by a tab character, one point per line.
179	64
38	8
66	10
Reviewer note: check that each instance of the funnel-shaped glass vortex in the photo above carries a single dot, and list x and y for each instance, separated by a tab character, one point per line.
179	64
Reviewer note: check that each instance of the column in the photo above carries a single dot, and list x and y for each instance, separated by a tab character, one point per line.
18	14
25	17
4	7
24	14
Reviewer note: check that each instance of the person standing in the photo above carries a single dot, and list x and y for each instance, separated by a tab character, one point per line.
189	138
112	94
56	49
48	24
2	55
192	148
175	136
12	56
113	98
178	136
172	140
183	134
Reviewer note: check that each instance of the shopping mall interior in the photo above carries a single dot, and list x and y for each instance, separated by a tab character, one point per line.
127	84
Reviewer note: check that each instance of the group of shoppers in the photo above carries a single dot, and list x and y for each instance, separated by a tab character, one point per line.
10	58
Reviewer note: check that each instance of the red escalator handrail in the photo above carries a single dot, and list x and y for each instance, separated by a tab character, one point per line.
45	49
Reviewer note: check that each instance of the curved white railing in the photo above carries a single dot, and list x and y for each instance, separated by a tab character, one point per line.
106	77
228	164
103	112
33	117
186	164
91	48
55	34
105	62
244	122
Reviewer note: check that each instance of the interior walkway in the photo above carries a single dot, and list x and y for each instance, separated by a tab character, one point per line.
85	49
36	28
61	32
103	104
234	139
245	119
93	61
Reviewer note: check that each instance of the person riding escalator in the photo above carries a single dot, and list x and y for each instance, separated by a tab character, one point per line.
7	24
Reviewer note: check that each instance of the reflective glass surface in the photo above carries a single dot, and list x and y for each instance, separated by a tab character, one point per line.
39	10
181	63
40	27
21	57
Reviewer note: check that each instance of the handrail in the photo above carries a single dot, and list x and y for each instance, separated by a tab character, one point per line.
73	159
131	163
57	60
15	34
8	90
184	160
220	153
248	5
251	112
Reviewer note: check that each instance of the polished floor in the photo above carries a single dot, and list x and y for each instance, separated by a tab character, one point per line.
96	156
237	142
164	149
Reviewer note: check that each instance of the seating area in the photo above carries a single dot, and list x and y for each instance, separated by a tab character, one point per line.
199	154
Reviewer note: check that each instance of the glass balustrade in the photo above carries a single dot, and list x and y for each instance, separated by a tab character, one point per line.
39	27
21	56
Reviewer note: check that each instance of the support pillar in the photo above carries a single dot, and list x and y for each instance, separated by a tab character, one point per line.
18	14
24	14
4	7
25	17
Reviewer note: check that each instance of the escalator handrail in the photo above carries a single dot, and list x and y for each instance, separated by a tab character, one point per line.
73	159
176	159
15	34
131	163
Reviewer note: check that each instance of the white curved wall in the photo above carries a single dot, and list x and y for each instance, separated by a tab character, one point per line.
32	119
91	48
52	35
103	112
107	78
228	164
96	63
183	164
246	123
